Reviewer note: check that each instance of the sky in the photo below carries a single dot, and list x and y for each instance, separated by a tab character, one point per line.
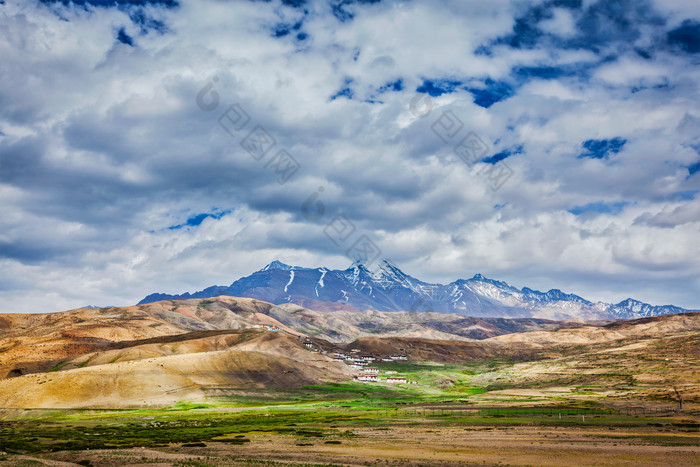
167	146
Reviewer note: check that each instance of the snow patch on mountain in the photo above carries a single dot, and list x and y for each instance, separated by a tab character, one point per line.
387	288
291	279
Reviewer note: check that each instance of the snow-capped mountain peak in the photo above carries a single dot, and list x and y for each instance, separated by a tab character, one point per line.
386	288
277	265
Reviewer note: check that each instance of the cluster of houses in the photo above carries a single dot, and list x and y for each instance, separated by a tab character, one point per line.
361	362
371	375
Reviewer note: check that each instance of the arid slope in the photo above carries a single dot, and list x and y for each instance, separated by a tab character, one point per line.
176	350
159	374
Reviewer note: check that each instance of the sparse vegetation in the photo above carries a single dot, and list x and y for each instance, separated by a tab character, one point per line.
289	400
58	366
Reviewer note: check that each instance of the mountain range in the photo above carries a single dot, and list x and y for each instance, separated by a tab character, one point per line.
387	288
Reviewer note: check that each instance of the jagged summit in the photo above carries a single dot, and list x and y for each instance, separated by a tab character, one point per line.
357	264
482	278
383	286
277	265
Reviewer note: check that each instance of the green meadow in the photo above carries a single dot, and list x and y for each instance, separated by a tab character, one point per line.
329	412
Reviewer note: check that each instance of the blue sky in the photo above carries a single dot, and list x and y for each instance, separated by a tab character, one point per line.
116	183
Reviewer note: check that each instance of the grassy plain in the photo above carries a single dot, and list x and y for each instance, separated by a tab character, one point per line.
453	415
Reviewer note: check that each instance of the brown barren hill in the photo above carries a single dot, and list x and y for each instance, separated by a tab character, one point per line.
658	326
419	350
152	354
164	380
32	343
167	351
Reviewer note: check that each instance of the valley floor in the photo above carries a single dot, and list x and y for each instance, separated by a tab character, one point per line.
129	387
334	436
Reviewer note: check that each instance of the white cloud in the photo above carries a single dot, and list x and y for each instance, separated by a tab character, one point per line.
562	23
104	148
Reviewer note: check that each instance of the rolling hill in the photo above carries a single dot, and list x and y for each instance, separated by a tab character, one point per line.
39	342
163	352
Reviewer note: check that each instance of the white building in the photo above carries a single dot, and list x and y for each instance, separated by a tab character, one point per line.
367	378
396	379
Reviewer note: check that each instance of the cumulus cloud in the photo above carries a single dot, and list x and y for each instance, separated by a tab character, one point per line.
116	183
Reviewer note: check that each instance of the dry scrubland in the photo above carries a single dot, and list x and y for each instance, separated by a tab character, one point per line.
433	445
197	382
358	438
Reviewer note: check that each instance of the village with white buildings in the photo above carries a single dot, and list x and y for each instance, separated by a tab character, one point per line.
361	363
